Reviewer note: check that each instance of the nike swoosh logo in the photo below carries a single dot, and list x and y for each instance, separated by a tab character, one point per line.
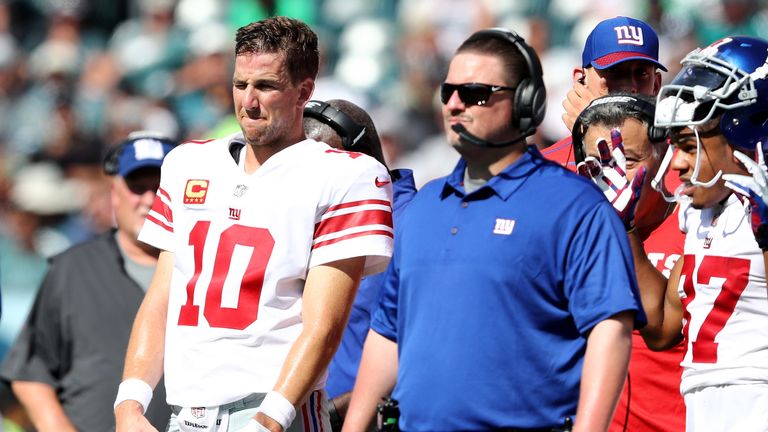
381	183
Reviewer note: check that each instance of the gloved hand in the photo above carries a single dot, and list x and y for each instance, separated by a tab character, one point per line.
610	175
755	188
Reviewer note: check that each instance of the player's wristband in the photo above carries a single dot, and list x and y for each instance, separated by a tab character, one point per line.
278	408
134	389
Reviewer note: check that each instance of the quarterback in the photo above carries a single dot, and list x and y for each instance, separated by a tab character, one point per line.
265	236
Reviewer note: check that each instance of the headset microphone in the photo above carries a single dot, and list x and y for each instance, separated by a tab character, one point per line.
475	140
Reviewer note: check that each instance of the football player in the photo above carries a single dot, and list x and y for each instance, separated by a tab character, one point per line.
717	107
264	237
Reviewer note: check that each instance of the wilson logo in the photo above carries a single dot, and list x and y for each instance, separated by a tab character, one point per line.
504	226
195	192
629	35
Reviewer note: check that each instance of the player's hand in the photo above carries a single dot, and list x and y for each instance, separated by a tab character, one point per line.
755	188
261	423
129	417
255	426
578	98
610	175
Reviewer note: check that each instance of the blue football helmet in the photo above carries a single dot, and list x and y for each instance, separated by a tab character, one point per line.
728	77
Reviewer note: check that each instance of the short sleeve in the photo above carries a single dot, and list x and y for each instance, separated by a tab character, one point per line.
384	321
158	227
600	277
358	218
39	353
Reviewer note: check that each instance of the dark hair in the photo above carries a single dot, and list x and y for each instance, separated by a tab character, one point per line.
291	38
613	115
612	111
488	44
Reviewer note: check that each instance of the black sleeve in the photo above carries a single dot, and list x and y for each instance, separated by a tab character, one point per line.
40	352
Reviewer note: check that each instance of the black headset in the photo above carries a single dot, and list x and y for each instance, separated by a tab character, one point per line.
631	105
349	130
530	103
112	156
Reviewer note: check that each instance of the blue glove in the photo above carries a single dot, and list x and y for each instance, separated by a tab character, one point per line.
754	188
610	175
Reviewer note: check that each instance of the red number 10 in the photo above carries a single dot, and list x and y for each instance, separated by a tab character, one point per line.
735	271
247	310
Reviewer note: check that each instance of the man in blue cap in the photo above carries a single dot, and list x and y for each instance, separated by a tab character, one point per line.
620	54
67	362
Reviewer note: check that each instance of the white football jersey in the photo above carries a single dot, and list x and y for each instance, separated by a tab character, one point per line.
243	245
725	299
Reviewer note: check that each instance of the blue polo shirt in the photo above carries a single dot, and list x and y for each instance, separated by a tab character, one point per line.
343	368
490	296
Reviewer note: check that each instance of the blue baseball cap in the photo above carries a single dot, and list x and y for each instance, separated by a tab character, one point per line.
619	39
140	150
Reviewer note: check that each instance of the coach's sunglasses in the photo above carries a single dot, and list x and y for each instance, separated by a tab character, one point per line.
470	93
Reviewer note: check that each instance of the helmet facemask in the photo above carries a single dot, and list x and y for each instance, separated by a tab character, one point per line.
706	87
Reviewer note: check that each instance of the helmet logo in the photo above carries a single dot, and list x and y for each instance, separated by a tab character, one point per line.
715	47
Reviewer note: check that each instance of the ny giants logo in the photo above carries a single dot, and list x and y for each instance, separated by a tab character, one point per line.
714	47
198	412
630	35
234	213
195	191
504	226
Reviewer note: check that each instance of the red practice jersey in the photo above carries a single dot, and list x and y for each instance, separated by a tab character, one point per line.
562	153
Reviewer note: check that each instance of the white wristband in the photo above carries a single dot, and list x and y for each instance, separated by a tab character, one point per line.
278	408
134	389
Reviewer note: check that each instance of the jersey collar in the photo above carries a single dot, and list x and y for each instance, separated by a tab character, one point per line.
503	184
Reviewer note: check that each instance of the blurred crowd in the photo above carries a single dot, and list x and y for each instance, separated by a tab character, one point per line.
76	76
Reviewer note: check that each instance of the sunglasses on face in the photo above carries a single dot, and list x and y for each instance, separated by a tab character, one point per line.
140	188
143	180
470	93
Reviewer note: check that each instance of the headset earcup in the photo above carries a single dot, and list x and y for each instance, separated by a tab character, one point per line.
538	105
521	115
530	105
656	135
